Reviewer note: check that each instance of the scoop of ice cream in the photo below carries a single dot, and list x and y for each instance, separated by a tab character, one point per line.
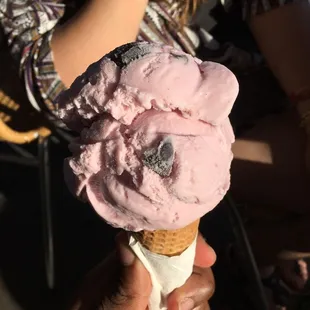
154	150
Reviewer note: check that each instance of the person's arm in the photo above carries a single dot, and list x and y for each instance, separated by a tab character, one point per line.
99	27
283	37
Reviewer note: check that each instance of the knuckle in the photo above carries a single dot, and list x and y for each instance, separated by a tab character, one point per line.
210	284
207	283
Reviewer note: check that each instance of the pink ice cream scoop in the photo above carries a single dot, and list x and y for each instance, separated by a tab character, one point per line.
154	150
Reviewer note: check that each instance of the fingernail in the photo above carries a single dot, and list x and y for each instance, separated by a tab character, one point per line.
187	304
126	255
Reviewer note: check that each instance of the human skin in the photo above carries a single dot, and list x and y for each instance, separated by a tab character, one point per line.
122	282
268	162
99	27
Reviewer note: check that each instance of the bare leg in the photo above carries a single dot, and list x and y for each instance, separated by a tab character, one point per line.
268	170
269	174
283	37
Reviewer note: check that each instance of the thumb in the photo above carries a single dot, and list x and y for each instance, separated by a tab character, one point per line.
135	282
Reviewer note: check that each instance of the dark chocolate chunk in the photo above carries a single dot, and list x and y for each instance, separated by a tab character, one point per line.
127	53
160	159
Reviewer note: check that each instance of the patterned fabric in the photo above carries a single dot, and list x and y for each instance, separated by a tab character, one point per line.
26	21
160	26
29	26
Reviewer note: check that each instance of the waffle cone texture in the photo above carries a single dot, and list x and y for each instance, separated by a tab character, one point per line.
168	242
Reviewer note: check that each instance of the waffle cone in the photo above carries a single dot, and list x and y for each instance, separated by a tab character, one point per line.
168	242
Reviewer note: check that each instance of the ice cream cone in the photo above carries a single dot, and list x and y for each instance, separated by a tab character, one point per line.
168	242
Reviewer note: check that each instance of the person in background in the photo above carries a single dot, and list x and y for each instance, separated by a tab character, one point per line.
272	160
53	47
55	41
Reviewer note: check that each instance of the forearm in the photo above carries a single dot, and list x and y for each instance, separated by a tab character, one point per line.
283	37
98	28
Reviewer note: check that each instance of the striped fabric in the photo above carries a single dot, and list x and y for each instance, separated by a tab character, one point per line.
29	26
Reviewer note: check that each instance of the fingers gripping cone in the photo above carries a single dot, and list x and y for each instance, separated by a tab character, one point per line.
168	255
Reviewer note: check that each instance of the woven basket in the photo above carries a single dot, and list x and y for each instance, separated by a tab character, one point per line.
8	109
19	123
